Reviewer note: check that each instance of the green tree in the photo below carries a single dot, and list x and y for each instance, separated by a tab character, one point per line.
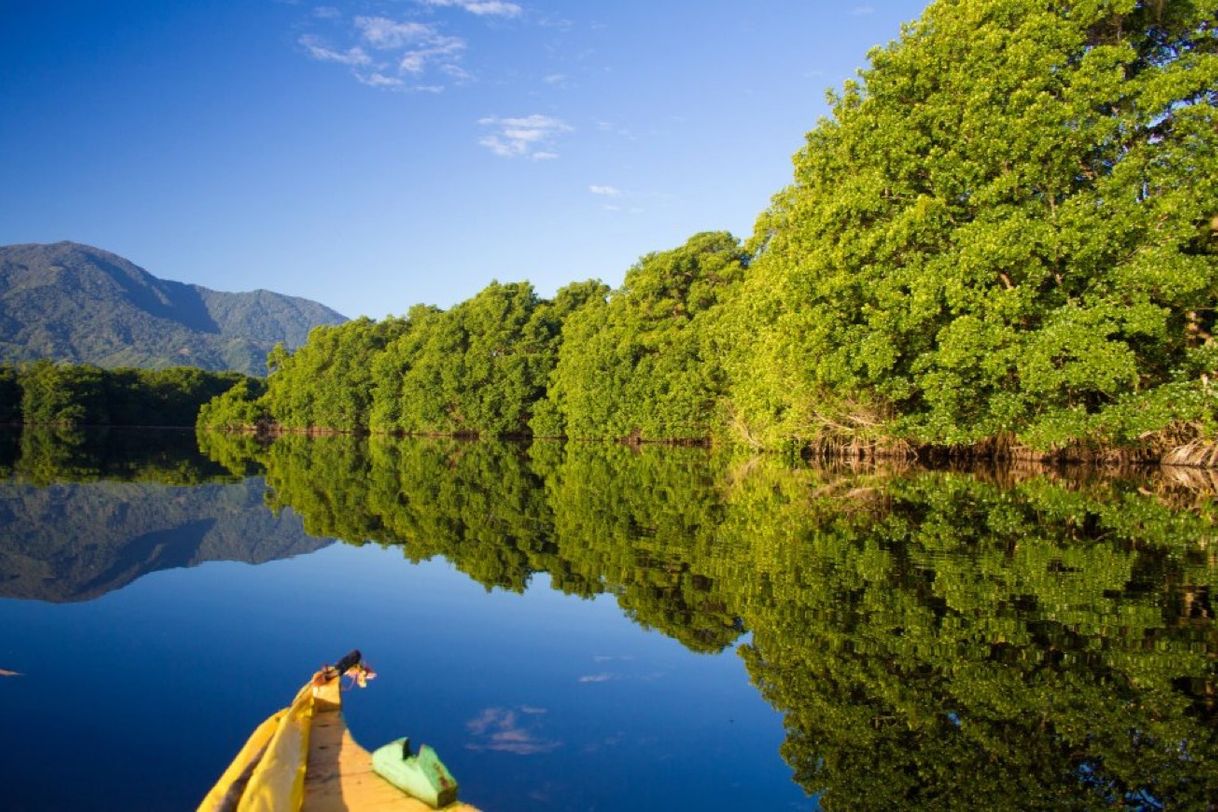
646	363
240	408
63	395
1003	232
476	369
328	382
10	395
82	395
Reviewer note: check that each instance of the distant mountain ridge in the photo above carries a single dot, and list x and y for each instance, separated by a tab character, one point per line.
73	302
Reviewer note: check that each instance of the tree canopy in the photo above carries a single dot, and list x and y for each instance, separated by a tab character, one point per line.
72	395
1003	238
1004	230
646	363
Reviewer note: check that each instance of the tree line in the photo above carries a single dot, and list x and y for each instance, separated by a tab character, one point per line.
71	396
1003	238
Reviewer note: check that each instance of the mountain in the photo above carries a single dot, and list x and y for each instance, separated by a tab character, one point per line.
73	302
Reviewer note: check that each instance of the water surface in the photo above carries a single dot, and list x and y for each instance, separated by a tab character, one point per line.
599	627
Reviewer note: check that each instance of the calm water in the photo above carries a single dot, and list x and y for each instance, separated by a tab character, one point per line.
593	627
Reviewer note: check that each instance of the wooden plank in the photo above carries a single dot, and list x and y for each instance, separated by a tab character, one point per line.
340	776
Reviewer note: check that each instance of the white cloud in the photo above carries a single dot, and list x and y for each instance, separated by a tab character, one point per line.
607	191
556	79
326	13
457	72
862	11
318	50
379	80
386	34
532	136
394	55
437	49
482	8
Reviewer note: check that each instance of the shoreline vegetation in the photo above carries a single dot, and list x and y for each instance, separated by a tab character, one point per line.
1002	244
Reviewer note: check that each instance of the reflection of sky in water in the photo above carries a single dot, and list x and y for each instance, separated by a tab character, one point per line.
539	700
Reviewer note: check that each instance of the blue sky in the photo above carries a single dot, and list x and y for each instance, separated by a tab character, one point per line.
374	154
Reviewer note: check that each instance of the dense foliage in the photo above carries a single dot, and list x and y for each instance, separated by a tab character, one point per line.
69	395
1006	231
935	640
642	362
647	362
1005	236
10	396
237	409
477	368
327	383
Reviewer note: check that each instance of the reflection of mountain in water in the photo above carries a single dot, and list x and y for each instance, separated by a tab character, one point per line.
76	542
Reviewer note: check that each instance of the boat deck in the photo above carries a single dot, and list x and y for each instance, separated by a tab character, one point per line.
339	775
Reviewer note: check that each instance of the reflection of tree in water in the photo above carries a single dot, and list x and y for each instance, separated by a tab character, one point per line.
598	519
642	524
933	639
965	645
49	455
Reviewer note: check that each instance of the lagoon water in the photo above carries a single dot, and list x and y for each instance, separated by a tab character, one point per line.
598	627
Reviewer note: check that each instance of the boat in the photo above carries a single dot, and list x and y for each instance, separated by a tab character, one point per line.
304	758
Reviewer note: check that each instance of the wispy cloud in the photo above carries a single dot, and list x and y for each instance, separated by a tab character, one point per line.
862	11
591	678
556	80
317	49
482	8
379	80
441	50
502	730
386	34
528	136
392	54
326	13
610	127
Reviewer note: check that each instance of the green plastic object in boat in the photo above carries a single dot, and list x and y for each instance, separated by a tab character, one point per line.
423	776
